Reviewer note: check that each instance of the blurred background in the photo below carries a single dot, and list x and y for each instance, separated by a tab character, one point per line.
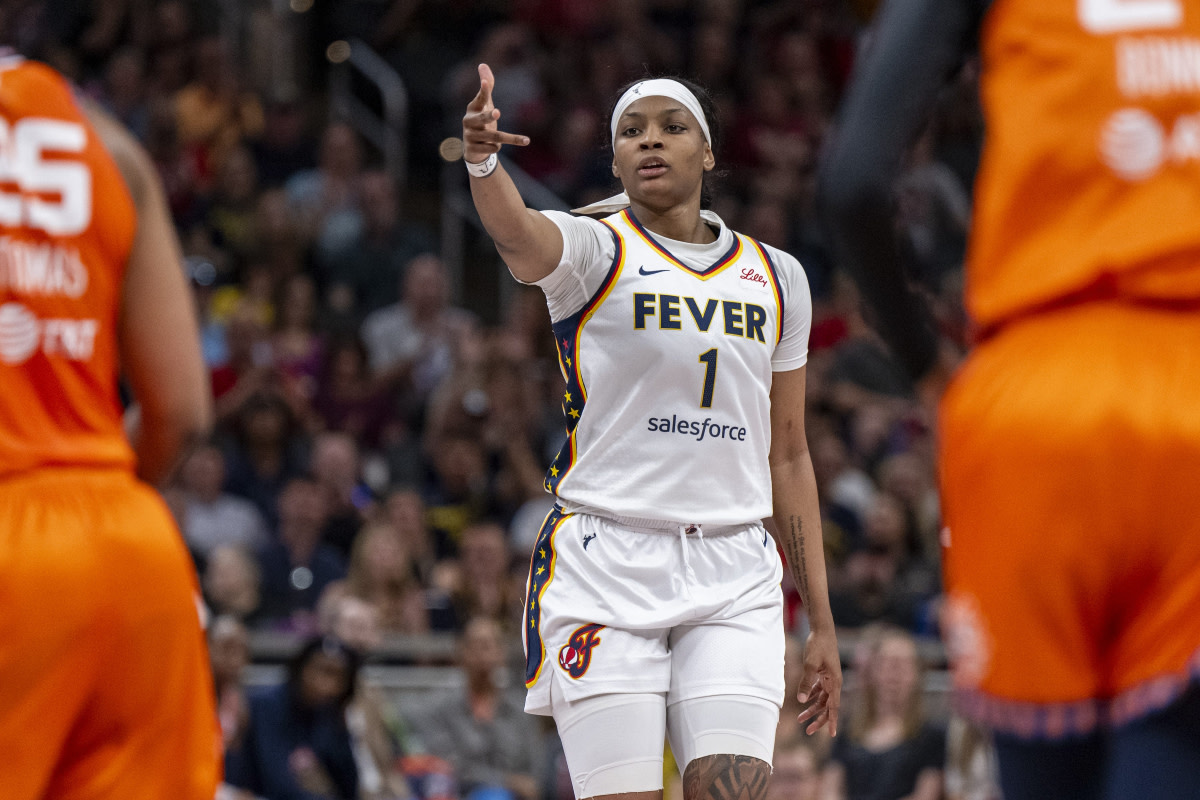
388	398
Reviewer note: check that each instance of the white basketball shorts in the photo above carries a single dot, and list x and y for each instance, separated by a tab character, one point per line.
685	610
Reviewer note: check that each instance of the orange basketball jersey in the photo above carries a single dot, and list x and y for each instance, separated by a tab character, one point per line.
1092	163
67	224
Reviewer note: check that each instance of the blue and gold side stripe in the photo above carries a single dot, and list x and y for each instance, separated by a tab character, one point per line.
775	287
566	340
541	572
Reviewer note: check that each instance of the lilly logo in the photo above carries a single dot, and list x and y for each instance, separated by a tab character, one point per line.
748	274
576	655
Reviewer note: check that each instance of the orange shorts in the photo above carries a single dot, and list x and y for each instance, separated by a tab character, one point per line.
105	690
1070	459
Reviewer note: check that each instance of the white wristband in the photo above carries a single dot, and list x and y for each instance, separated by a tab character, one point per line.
483	168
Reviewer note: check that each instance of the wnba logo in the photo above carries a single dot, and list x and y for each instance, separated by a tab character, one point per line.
576	655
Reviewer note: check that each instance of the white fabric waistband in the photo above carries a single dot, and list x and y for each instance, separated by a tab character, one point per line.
661	526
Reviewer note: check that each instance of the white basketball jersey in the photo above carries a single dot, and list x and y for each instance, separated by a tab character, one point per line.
668	367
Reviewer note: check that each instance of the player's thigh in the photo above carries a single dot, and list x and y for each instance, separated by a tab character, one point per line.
1156	627
1032	511
155	687
597	610
613	743
1073	542
1157	757
722	725
50	639
739	654
1070	769
727	686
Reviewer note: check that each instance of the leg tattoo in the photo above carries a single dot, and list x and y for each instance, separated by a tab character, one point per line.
725	777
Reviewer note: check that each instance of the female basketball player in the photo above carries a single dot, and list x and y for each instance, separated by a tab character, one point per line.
654	604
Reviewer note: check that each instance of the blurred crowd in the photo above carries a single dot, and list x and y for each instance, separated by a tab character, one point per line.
383	430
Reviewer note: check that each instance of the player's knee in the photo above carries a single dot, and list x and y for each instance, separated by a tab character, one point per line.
729	777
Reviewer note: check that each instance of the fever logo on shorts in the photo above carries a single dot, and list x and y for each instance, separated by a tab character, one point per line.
576	655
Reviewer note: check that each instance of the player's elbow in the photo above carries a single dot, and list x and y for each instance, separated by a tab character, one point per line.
789	459
184	417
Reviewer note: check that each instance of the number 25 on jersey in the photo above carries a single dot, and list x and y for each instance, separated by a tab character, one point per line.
51	194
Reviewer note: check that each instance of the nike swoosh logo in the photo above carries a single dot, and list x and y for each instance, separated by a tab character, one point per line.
642	271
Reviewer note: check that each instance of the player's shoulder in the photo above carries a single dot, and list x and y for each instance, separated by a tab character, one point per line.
569	221
32	89
28	73
786	265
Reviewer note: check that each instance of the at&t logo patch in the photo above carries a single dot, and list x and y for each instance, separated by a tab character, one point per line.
576	655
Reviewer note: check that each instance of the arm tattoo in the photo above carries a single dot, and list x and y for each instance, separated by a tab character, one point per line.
726	777
793	546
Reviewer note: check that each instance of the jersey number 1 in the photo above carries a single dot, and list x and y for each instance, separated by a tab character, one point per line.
709	359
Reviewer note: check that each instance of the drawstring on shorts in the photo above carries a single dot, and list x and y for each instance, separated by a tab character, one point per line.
686	531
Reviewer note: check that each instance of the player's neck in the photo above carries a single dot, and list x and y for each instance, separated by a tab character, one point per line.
681	223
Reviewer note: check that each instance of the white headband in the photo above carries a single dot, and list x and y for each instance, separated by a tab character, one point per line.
660	87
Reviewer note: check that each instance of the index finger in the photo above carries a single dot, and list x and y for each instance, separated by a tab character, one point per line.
483	97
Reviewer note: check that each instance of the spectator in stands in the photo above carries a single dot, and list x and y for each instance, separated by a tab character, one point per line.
124	90
908	476
372	260
297	743
511	429
429	556
249	369
229	653
295	342
263	457
457	493
280	238
890	750
845	490
378	734
492	395
887	579
348	399
404	510
171	30
482	729
298	566
412	343
214	114
768	134
233	583
871	592
972	771
381	574
487	588
317	194
212	517
232	211
177	167
795	773
285	147
335	464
